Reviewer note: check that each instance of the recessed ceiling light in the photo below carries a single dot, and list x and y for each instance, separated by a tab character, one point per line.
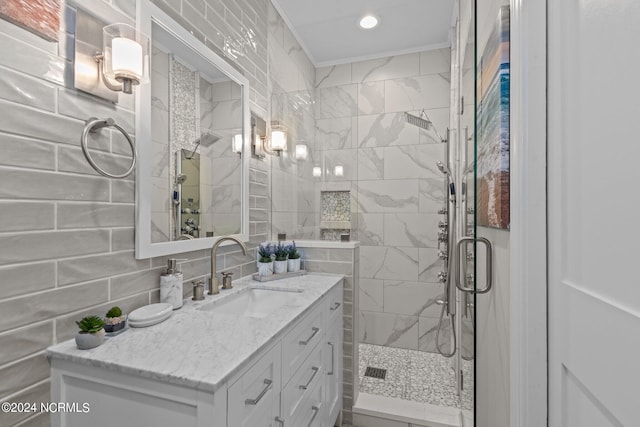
368	21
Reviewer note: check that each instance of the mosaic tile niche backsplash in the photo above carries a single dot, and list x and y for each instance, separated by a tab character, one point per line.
335	214
336	205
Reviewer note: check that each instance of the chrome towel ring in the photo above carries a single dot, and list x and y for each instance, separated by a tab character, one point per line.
91	126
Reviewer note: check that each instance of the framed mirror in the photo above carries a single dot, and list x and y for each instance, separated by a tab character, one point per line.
192	136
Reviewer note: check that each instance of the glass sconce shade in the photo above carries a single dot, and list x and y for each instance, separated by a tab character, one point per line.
126	55
317	171
278	137
338	170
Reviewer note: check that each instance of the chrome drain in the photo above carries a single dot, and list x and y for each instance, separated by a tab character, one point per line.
375	373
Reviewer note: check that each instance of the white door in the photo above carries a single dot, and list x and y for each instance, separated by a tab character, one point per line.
594	212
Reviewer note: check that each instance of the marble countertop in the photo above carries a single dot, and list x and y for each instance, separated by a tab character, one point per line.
198	348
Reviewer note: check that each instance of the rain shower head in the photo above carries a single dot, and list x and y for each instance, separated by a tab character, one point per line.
420	121
206	139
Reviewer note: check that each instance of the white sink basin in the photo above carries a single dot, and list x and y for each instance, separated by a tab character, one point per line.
256	303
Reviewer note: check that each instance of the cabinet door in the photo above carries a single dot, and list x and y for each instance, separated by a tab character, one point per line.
334	370
254	399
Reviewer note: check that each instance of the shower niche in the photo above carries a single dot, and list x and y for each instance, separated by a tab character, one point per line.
335	214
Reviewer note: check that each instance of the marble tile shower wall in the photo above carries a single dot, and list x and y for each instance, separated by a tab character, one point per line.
291	81
396	190
67	234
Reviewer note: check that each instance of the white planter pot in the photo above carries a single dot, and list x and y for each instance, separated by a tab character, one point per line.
293	265
265	268
87	341
280	267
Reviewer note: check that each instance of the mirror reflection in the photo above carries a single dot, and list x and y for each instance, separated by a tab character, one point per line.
196	131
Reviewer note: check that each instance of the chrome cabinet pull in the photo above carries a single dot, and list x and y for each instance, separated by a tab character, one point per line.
315	331
335	306
280	420
489	267
255	401
332	357
315	370
315	410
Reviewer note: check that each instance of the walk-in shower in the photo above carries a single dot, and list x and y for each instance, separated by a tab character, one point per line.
436	378
428	375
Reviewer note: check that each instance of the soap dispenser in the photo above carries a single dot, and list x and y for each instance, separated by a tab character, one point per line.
171	285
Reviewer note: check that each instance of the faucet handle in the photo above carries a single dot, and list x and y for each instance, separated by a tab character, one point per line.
198	290
226	280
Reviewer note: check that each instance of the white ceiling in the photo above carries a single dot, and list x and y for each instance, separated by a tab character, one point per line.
329	33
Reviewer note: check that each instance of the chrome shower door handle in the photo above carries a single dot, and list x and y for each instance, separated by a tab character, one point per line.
489	265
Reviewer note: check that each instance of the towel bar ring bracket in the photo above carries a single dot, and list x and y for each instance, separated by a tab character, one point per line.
92	125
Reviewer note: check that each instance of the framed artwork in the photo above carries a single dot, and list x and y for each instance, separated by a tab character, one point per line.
41	17
493	127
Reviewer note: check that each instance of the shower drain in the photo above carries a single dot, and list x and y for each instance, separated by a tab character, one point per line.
375	372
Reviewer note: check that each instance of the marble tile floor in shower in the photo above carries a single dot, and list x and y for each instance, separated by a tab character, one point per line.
413	375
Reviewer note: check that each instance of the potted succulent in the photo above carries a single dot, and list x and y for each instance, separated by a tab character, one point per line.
280	263
265	260
293	263
91	332
114	320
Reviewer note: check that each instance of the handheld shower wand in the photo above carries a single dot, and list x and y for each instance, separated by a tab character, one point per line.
452	187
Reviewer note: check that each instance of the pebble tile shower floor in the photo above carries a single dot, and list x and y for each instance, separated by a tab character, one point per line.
413	375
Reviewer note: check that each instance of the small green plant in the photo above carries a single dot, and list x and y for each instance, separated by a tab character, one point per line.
114	312
292	251
90	324
281	252
265	253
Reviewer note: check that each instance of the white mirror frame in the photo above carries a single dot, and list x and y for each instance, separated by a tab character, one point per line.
147	14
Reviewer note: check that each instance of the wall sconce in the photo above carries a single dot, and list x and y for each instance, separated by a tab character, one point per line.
278	138
258	136
338	170
123	57
236	144
317	172
108	58
302	152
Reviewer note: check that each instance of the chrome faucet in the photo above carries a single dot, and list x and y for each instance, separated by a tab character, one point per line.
213	280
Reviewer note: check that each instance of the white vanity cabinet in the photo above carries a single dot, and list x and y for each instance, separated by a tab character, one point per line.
294	381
